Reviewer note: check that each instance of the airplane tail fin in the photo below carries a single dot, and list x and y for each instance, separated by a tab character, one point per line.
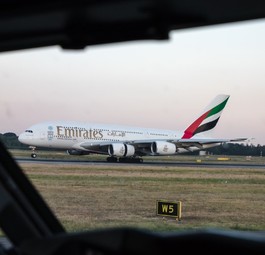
208	119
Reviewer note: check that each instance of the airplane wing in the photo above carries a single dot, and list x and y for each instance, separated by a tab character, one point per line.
199	143
205	141
143	147
188	143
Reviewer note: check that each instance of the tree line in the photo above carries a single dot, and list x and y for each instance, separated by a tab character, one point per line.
10	140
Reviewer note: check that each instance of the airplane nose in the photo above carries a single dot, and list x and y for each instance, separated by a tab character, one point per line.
21	137
28	138
25	137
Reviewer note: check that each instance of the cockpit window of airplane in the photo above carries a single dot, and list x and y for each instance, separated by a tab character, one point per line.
158	135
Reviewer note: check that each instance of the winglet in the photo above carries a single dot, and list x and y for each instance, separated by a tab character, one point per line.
208	119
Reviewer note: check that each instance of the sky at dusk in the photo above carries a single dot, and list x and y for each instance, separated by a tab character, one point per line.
156	84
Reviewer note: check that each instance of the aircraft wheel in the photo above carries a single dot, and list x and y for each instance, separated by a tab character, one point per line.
34	155
130	160
121	160
112	159
138	160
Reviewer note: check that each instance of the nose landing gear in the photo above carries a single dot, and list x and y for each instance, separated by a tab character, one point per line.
33	154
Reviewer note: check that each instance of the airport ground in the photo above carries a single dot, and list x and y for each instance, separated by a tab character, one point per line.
91	196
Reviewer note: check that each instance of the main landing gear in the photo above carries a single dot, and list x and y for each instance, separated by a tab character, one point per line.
125	160
112	159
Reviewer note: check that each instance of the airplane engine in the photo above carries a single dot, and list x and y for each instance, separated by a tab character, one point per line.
163	148
76	152
121	150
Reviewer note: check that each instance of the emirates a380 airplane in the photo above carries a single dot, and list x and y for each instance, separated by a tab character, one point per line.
124	143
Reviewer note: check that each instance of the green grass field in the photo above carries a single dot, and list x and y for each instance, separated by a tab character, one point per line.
86	197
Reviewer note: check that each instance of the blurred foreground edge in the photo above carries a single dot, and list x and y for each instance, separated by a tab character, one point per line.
75	24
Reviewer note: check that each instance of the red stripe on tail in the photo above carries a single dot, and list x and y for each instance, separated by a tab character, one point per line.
188	133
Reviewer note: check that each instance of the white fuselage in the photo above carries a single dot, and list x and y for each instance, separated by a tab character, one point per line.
66	135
